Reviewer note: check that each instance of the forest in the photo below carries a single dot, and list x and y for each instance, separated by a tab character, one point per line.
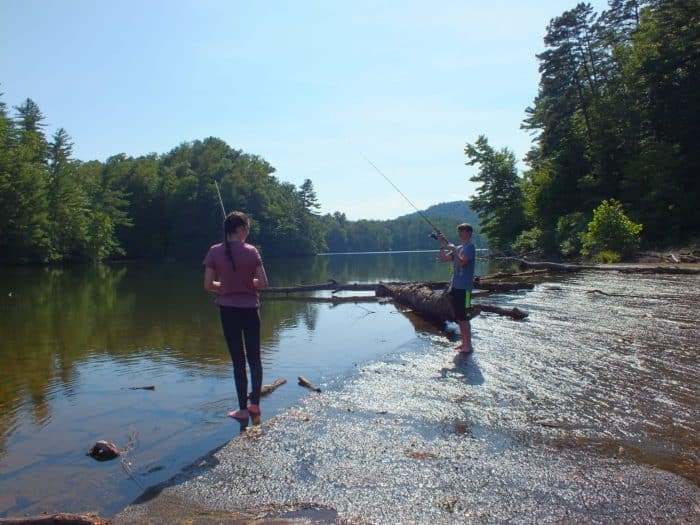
613	167
614	161
55	208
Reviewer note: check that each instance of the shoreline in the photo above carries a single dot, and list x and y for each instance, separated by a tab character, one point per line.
432	447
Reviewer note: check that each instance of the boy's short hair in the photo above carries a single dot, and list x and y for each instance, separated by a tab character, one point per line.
465	226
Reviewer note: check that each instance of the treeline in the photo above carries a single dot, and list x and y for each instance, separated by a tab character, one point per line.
55	208
615	160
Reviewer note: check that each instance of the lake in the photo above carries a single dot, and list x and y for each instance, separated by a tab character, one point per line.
74	340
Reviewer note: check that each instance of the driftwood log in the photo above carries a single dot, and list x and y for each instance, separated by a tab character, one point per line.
485	282
436	305
56	519
633	268
268	389
308	384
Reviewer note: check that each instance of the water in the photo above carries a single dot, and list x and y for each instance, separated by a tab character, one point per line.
73	341
586	412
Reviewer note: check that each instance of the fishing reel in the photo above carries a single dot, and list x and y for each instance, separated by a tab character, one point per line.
435	234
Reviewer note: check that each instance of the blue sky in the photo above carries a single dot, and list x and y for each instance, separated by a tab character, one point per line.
311	86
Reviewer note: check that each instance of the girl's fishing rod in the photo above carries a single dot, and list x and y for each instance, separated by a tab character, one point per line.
434	234
221	201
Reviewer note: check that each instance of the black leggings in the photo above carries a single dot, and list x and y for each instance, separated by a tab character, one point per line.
239	324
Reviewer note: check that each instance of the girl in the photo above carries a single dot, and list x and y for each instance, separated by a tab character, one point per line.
240	272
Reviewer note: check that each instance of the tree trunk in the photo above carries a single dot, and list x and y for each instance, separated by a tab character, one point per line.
436	305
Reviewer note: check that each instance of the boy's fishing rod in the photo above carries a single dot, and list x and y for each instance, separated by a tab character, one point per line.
434	234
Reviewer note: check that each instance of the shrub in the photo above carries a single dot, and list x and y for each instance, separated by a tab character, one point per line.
528	241
611	230
608	257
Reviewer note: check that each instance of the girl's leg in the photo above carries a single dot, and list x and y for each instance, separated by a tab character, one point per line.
231	321
251	332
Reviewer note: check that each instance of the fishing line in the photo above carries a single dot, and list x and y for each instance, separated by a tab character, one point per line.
436	231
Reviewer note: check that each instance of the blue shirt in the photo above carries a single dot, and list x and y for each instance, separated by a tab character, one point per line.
463	276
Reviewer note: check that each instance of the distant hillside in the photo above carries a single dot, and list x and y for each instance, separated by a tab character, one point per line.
458	210
408	232
446	216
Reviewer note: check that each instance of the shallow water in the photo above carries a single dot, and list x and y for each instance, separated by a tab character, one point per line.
73	340
614	374
585	412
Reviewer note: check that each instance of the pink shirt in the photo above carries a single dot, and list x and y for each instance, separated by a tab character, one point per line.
236	286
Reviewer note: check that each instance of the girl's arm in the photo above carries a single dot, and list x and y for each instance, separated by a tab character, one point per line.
210	285
260	279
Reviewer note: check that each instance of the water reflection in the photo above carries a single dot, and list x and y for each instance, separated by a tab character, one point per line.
74	339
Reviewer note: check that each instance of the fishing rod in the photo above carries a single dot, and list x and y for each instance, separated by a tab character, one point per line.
436	232
221	201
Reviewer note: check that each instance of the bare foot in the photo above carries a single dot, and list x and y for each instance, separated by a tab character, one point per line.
459	346
241	413
466	350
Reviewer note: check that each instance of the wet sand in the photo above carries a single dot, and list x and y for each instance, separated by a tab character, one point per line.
586	412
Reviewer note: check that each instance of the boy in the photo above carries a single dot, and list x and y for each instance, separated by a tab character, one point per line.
462	257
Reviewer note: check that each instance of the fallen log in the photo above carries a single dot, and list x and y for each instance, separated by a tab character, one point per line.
480	283
268	389
436	305
308	384
501	287
515	313
629	268
507	275
60	518
557	267
334	299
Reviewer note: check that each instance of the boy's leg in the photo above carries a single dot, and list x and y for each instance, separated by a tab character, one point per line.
458	300
466	328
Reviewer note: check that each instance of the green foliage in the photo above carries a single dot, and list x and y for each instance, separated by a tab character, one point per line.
611	230
568	233
499	199
616	116
529	241
608	257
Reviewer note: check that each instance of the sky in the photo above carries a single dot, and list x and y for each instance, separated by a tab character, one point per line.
314	87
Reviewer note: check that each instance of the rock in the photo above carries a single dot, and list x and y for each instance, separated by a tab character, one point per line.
103	451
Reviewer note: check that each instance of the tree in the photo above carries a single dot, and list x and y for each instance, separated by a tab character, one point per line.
499	200
24	236
68	201
308	196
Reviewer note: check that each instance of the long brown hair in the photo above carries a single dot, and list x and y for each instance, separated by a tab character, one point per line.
233	221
